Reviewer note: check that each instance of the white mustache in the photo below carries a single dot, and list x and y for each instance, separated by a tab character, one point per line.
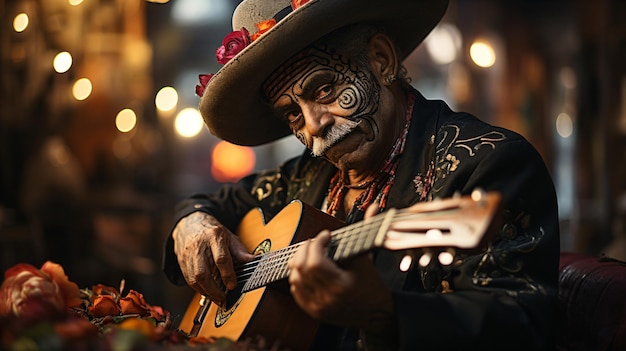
333	135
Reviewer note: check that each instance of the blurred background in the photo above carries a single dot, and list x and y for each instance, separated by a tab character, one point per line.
100	137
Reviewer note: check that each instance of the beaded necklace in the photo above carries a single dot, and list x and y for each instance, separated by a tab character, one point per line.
377	187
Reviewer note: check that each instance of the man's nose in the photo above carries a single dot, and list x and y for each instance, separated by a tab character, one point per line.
316	119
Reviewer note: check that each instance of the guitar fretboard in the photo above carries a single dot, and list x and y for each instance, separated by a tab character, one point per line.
345	242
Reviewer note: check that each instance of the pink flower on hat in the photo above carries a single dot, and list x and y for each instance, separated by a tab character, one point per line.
204	80
232	44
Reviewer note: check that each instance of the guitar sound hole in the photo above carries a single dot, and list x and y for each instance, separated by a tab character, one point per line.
233	296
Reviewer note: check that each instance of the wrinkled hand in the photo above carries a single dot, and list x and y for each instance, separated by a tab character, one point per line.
352	295
206	250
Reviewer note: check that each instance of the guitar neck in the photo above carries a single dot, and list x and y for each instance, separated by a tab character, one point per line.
462	223
345	243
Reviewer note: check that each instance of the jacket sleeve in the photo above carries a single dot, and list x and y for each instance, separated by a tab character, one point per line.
503	297
266	190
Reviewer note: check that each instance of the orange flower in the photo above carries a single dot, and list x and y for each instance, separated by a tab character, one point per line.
158	313
104	305
297	3
101	289
263	27
70	291
134	303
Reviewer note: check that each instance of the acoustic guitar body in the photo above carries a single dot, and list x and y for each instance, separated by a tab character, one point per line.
270	311
261	306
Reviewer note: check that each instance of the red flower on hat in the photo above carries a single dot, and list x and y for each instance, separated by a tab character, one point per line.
232	44
297	3
204	80
263	27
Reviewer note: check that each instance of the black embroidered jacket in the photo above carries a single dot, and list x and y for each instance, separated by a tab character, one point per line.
502	298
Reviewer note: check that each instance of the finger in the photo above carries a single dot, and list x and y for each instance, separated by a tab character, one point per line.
201	279
296	264
372	210
220	245
318	265
239	251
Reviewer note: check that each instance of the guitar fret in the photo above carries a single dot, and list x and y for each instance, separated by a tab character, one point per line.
357	238
271	267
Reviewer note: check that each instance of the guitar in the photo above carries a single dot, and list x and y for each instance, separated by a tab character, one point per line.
261	304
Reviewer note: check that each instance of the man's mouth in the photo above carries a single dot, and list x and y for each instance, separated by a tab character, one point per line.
333	135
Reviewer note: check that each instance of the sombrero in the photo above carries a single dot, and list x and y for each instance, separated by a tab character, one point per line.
233	104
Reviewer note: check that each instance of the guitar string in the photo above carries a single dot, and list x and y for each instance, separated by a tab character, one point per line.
273	265
349	238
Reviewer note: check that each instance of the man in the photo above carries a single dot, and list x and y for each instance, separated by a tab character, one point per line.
329	71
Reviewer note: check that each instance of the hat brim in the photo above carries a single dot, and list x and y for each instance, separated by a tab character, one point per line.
233	105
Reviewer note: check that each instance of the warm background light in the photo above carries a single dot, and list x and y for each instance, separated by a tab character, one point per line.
231	162
188	122
62	62
82	89
443	43
166	99
564	125
75	2
482	54
20	22
126	120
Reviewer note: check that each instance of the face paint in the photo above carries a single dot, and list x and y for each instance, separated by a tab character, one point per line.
319	75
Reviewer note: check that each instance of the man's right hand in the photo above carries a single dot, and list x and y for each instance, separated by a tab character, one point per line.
205	250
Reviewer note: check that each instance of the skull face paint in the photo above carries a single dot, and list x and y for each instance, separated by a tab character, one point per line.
320	81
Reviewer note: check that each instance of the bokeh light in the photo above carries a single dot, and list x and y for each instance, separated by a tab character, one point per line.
483	54
564	125
126	120
231	162
188	122
82	89
20	22
166	99
62	62
443	43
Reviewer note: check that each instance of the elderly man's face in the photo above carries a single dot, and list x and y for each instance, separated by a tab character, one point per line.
331	104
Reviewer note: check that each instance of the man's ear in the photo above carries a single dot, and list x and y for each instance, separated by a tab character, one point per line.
383	57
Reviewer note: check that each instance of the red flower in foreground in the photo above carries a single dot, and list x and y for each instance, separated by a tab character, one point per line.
33	295
232	44
134	303
204	80
104	305
71	294
101	289
297	3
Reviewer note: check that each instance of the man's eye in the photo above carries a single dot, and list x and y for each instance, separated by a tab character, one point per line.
293	116
324	92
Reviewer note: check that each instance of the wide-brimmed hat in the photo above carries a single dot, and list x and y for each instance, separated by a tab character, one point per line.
233	104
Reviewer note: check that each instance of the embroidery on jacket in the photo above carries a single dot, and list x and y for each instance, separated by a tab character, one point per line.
448	152
424	182
504	260
271	188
